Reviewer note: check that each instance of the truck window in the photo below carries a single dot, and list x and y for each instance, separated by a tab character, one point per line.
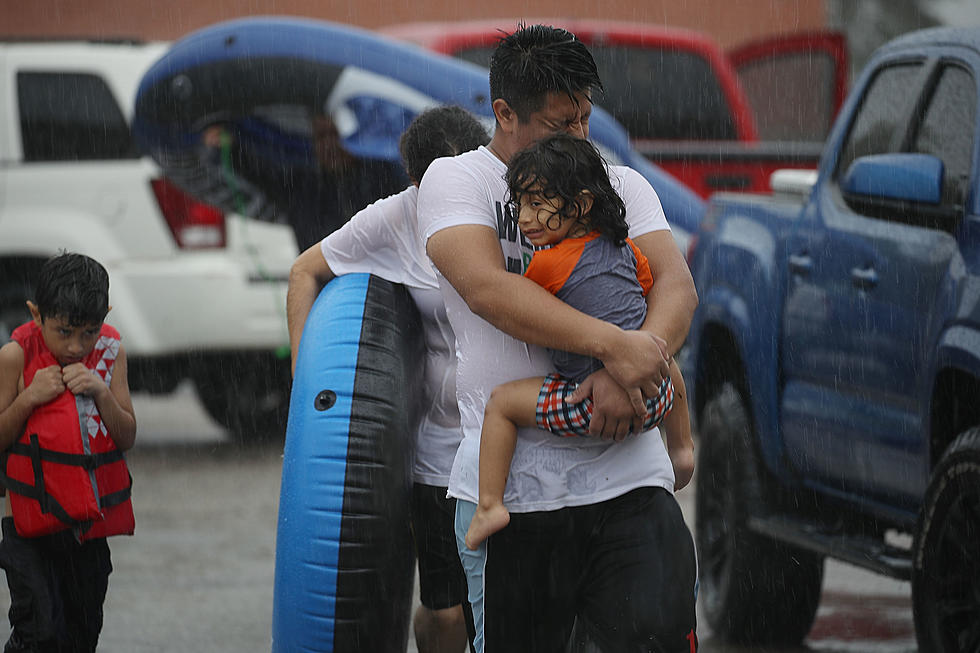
880	116
947	131
654	93
70	117
807	77
661	94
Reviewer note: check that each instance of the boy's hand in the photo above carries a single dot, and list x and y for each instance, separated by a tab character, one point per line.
83	381
46	385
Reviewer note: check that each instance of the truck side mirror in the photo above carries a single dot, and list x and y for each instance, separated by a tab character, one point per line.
893	178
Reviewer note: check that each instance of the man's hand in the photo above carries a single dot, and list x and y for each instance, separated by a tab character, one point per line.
83	381
619	402
639	363
613	415
46	385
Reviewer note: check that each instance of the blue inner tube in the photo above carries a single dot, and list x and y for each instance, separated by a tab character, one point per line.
344	555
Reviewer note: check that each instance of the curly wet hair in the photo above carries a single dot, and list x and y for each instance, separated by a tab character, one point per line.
562	167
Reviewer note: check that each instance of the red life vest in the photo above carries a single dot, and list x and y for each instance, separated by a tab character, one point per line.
65	471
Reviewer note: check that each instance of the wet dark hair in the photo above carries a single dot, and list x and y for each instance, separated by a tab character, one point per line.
73	287
537	60
562	167
438	132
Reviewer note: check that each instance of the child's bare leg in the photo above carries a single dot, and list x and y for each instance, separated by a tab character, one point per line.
511	405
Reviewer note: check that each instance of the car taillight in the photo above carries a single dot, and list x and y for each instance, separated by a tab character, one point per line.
194	224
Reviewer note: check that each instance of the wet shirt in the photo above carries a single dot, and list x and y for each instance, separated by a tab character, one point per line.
383	240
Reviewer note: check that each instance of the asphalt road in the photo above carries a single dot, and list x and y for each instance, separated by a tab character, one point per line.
197	576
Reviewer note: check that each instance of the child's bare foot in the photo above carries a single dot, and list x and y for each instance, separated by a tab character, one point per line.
486	522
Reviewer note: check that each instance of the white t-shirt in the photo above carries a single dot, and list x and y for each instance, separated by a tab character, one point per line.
383	240
547	472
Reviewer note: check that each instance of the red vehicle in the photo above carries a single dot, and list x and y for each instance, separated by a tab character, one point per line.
715	121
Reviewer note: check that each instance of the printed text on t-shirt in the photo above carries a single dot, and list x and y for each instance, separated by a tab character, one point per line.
507	231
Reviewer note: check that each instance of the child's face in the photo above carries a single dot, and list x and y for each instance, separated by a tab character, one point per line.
539	219
69	344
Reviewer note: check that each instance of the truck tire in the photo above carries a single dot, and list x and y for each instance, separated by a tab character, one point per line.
247	394
754	590
946	556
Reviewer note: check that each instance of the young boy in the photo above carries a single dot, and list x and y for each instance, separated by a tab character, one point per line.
560	190
65	409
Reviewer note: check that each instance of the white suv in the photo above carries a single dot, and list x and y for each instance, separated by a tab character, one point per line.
195	293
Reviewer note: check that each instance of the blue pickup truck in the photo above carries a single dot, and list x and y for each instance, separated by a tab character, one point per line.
834	361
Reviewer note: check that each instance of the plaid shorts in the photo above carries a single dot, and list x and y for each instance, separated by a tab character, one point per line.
568	419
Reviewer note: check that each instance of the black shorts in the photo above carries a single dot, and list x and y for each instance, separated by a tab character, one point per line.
57	588
442	583
625	568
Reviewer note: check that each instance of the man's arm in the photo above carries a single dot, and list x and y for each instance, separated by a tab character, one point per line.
469	257
673	298
307	277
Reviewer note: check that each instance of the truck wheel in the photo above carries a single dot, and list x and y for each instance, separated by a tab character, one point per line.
754	590
946	562
246	394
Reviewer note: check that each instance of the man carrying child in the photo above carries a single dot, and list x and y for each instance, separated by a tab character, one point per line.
595	534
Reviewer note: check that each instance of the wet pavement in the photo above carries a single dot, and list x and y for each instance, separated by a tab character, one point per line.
198	574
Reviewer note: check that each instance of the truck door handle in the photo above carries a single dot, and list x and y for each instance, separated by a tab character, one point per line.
800	264
864	278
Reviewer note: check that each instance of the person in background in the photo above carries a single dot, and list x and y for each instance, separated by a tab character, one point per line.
319	200
382	239
314	197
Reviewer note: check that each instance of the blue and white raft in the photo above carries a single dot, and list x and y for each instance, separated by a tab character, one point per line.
344	554
260	78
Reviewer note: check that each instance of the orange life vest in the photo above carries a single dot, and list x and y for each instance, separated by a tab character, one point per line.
65	471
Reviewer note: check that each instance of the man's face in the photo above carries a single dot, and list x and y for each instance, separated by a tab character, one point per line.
560	113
